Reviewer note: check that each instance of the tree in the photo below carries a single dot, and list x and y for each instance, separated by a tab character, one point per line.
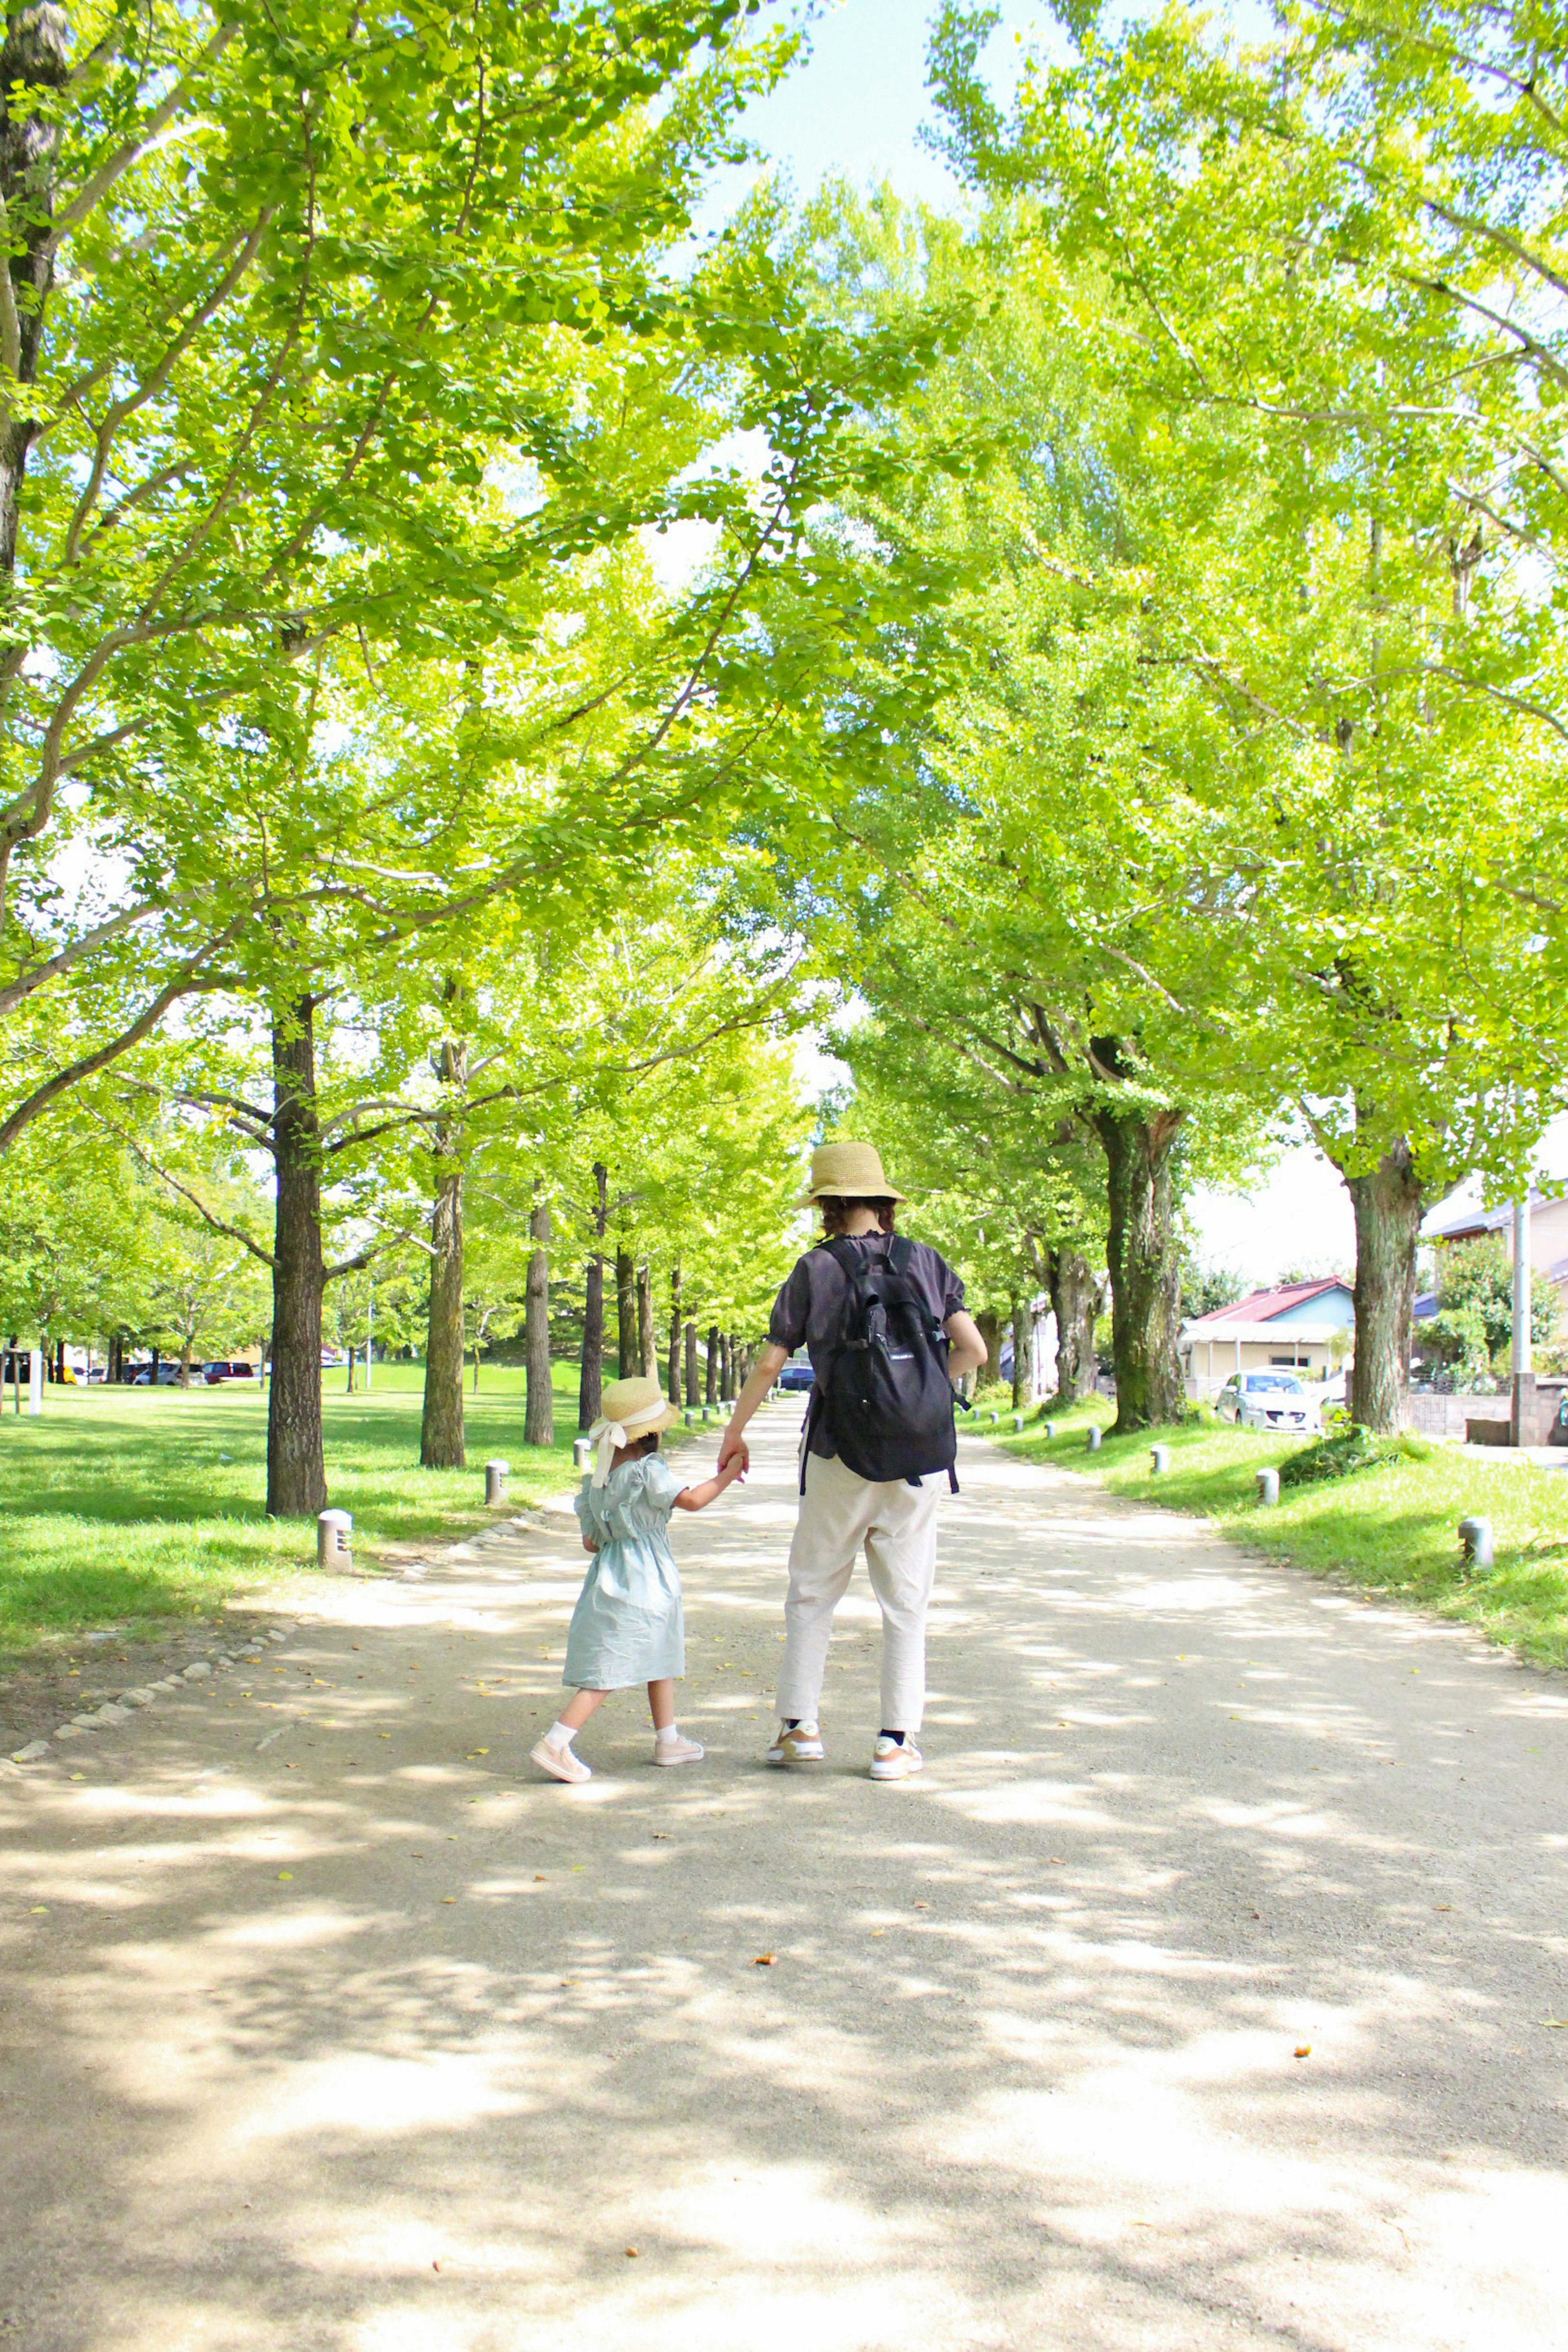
1297	411
1471	1333
256	410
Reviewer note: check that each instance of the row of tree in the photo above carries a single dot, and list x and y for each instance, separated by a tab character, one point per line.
1221	773
482	662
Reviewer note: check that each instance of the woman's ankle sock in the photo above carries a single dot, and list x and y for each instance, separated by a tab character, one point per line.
666	1731
562	1735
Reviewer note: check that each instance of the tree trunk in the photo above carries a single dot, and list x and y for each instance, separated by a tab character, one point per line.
295	1475
1145	1279
646	1342
694	1382
440	1444
711	1384
1388	1203
538	1421
629	1350
727	1371
35	55
1020	1352
1074	1300
675	1356
991	1330
590	1385
185	1365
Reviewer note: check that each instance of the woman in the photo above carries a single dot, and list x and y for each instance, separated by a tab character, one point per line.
893	1518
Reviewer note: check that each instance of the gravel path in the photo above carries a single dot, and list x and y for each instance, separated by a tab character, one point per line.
327	2025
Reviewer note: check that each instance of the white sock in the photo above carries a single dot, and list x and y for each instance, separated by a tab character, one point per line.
666	1731
562	1735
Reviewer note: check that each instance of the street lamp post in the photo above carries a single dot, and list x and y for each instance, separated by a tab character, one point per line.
1522	1411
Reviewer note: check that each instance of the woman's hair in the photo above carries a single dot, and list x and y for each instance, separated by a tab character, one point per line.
836	1214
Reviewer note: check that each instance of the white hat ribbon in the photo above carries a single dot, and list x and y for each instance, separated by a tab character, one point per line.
614	1434
611	1435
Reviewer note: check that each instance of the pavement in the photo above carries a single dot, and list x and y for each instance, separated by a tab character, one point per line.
1205	1990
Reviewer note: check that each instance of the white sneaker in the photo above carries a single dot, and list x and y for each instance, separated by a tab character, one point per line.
678	1751
801	1746
896	1759
561	1763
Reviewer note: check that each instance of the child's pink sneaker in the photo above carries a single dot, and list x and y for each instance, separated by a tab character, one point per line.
561	1763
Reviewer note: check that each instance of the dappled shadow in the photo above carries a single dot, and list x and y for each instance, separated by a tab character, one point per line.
1020	2070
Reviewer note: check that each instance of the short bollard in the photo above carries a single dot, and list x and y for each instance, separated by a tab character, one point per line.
1475	1542
495	1480
582	1453
691	1418
333	1530
1160	1458
1018	1421
996	1417
1267	1485
1050	1429
1092	1438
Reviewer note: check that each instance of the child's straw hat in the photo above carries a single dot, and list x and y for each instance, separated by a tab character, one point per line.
628	1409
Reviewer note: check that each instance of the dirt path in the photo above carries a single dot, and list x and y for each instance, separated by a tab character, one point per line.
326	2025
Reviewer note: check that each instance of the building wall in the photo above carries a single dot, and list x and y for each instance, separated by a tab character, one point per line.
1328	1307
1208	1367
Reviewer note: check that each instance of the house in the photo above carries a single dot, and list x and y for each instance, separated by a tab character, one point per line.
1298	1325
1451	1224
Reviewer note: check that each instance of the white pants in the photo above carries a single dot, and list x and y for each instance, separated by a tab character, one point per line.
897	1524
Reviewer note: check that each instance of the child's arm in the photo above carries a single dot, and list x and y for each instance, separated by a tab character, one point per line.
589	1544
697	1498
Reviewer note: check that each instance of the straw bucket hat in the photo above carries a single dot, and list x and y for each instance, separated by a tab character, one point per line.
848	1171
628	1409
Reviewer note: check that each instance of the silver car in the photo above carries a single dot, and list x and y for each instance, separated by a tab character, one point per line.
1270	1400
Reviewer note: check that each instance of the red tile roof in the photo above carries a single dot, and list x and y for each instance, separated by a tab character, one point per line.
1262	1306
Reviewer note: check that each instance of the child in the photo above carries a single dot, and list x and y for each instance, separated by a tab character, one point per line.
627	1626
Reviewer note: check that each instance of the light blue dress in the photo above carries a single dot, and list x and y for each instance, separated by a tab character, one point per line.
627	1626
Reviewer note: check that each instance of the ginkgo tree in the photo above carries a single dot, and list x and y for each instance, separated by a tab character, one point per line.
294	341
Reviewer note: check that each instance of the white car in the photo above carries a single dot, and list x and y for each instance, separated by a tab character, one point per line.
1269	1401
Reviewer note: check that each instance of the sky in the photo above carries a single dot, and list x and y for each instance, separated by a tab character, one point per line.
854	109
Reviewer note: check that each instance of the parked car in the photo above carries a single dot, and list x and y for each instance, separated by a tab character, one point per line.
797	1373
1276	1400
168	1377
229	1369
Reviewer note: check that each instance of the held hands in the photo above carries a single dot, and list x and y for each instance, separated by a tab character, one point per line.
736	1467
733	1449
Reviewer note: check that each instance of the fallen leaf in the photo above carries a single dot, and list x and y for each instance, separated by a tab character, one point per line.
1559	2023
39	1910
435	2266
1054	1860
1442	1906
286	1874
923	1906
449	1899
766	1960
879	1931
383	1734
79	1776
661	1834
632	2252
1304	2049
539	1878
477	1751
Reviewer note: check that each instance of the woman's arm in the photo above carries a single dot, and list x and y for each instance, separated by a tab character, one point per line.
967	1351
697	1498
732	1445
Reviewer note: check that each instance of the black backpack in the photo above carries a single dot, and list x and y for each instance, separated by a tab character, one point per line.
883	1393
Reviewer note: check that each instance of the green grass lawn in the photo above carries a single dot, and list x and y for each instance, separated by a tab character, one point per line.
134	1505
1390	1530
